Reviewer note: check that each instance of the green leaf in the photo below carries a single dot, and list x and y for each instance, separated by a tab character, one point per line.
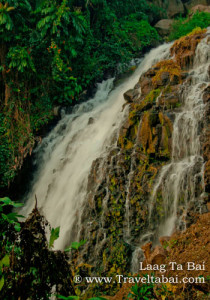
68	298
76	245
54	236
8	201
14	216
17	227
7	219
5	261
1	282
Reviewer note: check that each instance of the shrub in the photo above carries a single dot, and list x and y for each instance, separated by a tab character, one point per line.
183	26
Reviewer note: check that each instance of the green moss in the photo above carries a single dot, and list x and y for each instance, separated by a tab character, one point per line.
150	98
170	66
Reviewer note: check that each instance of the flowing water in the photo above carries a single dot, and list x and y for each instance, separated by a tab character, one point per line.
65	156
181	182
179	179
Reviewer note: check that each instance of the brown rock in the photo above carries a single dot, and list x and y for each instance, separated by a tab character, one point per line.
206	95
200	8
147	250
164	79
151	72
184	49
56	111
146	85
207	177
137	86
131	95
90	121
164	26
175	8
190	4
170	99
158	256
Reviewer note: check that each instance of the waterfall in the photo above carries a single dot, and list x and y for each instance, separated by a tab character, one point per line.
179	179
65	156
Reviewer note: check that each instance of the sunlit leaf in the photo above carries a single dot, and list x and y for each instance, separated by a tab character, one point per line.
1	282
5	261
76	245
54	236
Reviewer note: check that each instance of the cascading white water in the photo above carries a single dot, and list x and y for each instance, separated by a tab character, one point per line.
177	180
65	156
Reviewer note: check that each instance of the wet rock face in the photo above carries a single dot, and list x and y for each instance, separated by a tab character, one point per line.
131	95
206	140
184	49
120	187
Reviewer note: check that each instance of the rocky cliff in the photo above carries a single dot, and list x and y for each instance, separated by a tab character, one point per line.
119	215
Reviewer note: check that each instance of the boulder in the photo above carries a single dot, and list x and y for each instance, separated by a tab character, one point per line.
164	79
200	8
137	86
131	95
91	121
175	8
158	256
57	111
164	26
146	85
190	4
147	250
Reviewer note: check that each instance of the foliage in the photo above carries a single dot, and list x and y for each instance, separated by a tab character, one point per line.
7	221
54	236
76	245
9	218
183	26
50	52
141	292
28	268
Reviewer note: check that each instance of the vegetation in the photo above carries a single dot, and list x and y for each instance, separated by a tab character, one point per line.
28	267
183	26
141	292
9	223
51	51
